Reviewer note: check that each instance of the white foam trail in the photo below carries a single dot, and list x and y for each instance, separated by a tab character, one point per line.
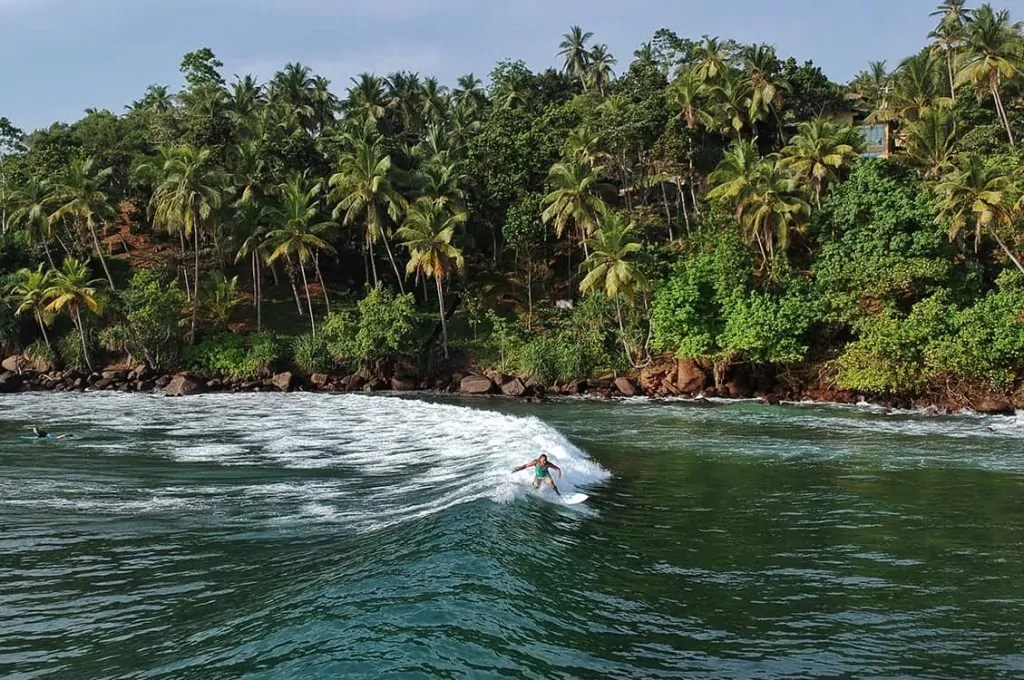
371	461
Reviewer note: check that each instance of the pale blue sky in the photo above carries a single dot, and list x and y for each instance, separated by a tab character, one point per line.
58	57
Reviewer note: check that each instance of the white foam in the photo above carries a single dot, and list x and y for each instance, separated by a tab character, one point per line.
370	461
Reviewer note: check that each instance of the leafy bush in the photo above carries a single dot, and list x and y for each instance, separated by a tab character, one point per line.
70	350
40	352
570	346
311	354
235	356
383	331
688	316
987	343
764	328
150	309
338	332
880	245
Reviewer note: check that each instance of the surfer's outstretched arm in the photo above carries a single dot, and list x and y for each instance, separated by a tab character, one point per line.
552	465
524	465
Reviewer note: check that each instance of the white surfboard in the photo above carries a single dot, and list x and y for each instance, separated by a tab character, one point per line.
575	498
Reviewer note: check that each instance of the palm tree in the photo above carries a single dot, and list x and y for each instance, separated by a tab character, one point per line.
873	86
433	102
71	290
405	100
686	94
299	234
918	85
470	95
931	141
765	88
979	193
599	68
732	179
427	233
80	196
774	207
250	219
366	103
576	196
190	191
31	211
818	153
363	189
324	104
585	144
949	34
732	94
611	266
292	89
709	61
992	56
246	97
573	49
30	292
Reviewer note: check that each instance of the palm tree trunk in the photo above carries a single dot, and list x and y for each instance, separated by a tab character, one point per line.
256	290
373	262
295	289
323	284
42	327
49	255
994	86
309	300
949	66
195	283
529	291
1007	250
668	212
693	192
391	257
444	322
81	334
184	268
99	253
622	331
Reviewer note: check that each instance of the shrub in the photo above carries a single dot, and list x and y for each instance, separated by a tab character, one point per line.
40	352
70	350
384	330
235	356
890	355
311	354
150	309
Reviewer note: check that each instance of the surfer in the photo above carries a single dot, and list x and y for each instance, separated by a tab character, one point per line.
541	471
43	434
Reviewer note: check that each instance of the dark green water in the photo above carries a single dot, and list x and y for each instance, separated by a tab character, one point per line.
299	536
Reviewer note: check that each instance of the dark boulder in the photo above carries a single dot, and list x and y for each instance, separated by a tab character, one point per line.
690	377
284	382
513	388
476	384
996	406
626	387
10	382
404	384
183	386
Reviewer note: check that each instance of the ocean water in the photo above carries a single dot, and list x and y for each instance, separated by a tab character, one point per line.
318	536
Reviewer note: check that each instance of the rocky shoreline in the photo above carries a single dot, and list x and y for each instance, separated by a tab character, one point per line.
667	378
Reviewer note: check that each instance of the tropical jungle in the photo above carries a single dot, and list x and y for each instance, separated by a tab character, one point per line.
703	216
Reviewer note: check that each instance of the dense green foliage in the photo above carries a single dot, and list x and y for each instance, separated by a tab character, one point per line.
712	200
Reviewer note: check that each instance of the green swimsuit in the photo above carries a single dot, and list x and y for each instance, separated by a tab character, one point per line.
541	472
